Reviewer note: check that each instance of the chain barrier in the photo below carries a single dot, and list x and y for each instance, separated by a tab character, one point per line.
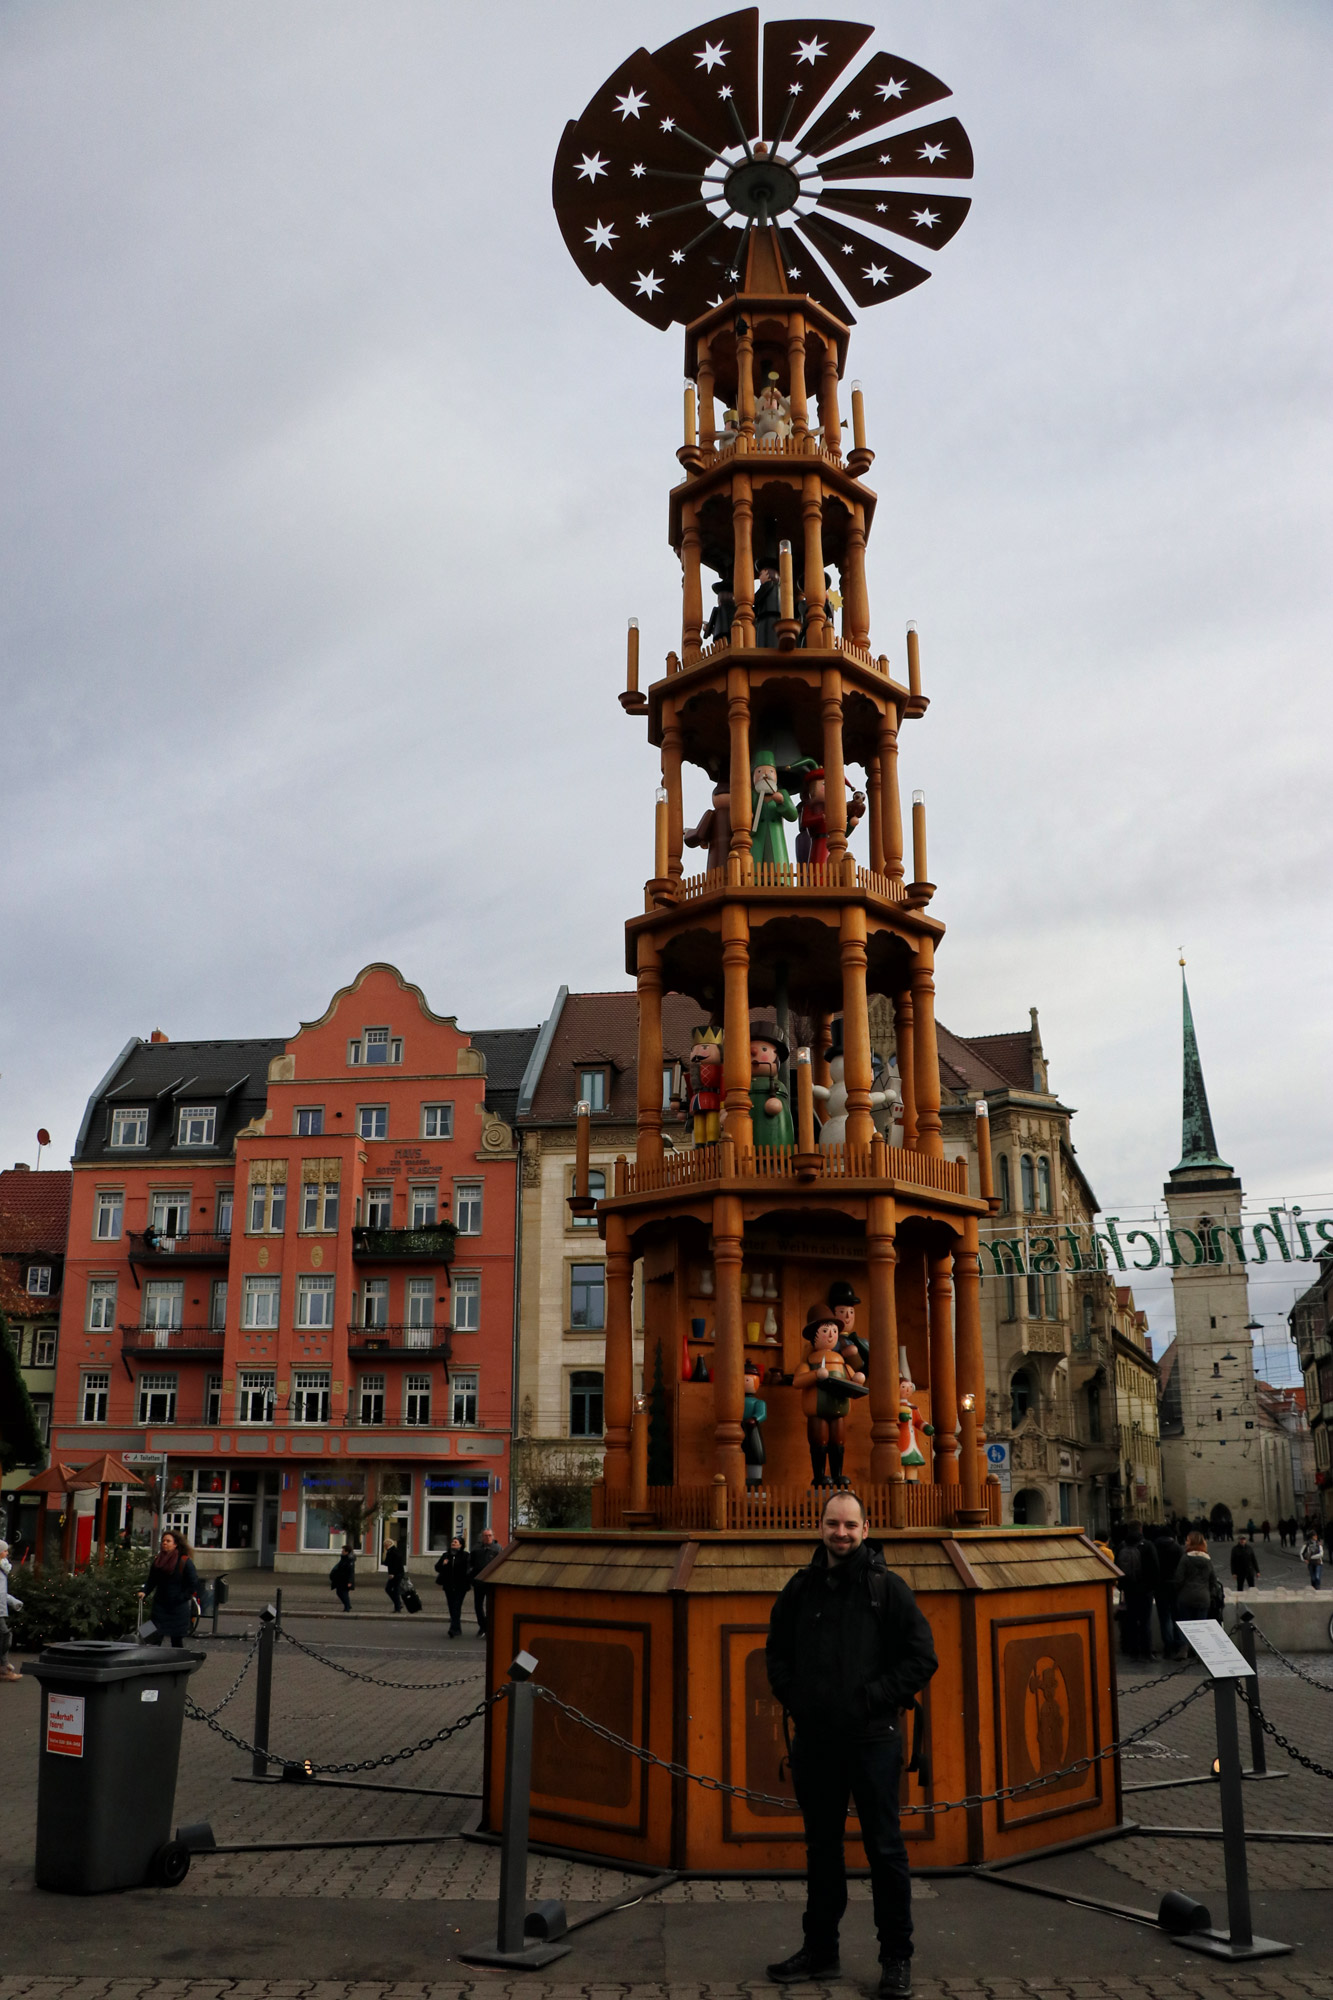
1291	1665
402	1687
1283	1743
1173	1674
233	1689
710	1784
309	1769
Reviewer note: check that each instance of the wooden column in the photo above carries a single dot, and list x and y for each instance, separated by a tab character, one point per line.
857	1069
729	1345
835	786
926	1051
882	1257
707	414
828	399
692	610
649	1142
812	515
904	1036
890	801
971	1367
800	413
943	1388
618	1382
823	1042
671	763
875	816
738	721
738	1124
745	379
856	598
742	583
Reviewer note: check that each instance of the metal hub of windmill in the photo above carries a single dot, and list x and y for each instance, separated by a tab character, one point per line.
682	153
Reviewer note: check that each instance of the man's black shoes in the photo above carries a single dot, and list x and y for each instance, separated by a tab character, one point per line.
806	1964
895	1979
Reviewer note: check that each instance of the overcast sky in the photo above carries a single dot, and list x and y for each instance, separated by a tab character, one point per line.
330	485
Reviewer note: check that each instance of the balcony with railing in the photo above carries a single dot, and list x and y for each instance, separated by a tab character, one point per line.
195	1342
197	1246
412	1343
878	1162
414	1246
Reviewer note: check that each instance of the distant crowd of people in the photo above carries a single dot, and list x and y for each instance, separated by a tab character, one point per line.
1166	1567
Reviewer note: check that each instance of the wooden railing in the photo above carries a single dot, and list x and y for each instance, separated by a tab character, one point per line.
772	446
789	1509
816	875
782	1163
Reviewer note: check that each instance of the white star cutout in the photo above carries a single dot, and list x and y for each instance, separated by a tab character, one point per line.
646	283
935	152
668	124
601	236
852	117
810	51
846	249
877	274
924	218
793	273
725	90
631	104
881	208
890	89
643	220
678	256
795	89
711	54
638	172
717	301
591	167
884	159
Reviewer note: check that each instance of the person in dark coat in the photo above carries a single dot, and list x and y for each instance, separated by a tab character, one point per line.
454	1574
1196	1580
395	1562
172	1584
767	607
1138	1565
722	613
1168	1552
1244	1563
342	1578
485	1553
848	1649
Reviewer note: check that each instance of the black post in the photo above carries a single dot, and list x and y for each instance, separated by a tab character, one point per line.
1233	1815
1258	1748
277	1610
268	1633
215	1609
514	1836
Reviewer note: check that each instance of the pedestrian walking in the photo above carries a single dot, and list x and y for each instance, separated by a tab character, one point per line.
1312	1555
342	1578
1199	1591
8	1603
1137	1561
849	1650
395	1562
172	1583
1264	1529
1244	1564
453	1573
485	1553
1168	1552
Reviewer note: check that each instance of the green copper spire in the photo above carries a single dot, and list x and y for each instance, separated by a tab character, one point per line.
1198	1147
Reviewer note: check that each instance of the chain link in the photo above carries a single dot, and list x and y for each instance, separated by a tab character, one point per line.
1172	1675
245	1668
313	1770
710	1784
1291	1664
1283	1742
403	1687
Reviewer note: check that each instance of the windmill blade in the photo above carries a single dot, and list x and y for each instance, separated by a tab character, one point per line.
806	274
869	270
713	66
939	152
802	62
929	223
887	88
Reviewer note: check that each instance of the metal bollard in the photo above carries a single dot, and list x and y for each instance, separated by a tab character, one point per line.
268	1636
277	1610
523	1936
1245	1640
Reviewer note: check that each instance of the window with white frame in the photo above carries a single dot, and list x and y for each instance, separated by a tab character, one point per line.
39	1280
467	1305
375	1046
416	1399
314	1301
256	1396
463	1396
41	1410
163	1303
321	1493
109	1219
156	1400
223	1213
375	1302
371	1389
169	1212
129	1127
44	1347
372	1121
421	1307
597	1192
217	1304
101	1314
425	1205
378	1204
212	1399
319	1206
311	1396
259	1302
310	1121
437	1121
197	1125
268	1208
94	1392
587	1297
467	1207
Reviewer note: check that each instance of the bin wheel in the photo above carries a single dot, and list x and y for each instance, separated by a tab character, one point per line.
170	1865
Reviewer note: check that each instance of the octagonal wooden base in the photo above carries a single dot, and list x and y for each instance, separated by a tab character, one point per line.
659	1637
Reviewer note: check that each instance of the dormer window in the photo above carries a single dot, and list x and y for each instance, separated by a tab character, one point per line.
375	1045
129	1127
594	1088
198	1124
39	1280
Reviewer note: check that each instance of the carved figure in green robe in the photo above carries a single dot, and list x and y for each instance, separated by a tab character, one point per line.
770	1104
769	807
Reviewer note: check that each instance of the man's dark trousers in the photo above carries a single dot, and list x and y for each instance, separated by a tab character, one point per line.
827	1773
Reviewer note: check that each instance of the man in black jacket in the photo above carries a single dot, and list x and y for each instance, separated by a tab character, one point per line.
848	1649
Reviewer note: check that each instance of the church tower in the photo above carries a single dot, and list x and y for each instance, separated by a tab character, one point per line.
1211	1455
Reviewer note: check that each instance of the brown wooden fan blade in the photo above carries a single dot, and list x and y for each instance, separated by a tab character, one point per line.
869	270
940	152
930	223
802	62
887	88
721	56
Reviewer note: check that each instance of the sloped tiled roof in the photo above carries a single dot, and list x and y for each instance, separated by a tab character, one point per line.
604	1028
506	1051
1009	1055
162	1075
34	1209
963	1066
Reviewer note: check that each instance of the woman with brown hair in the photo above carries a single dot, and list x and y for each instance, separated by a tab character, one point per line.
1198	1590
172	1583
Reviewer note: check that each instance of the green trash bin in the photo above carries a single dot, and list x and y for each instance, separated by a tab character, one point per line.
107	1754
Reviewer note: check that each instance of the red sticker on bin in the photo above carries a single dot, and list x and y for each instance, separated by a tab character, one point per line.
64	1725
